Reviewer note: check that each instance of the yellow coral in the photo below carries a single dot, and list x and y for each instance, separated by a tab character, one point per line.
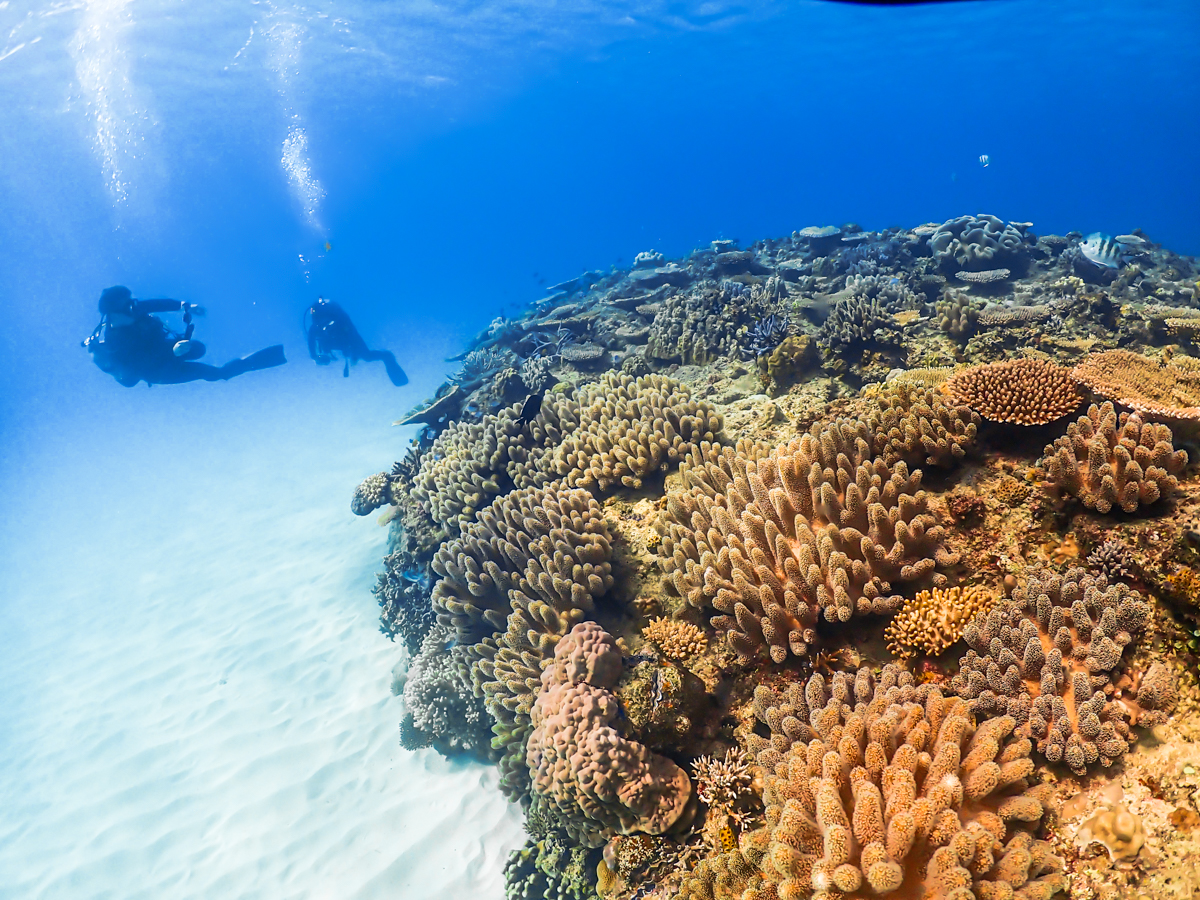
677	640
933	620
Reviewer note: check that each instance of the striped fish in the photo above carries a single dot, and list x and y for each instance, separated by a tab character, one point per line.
1102	250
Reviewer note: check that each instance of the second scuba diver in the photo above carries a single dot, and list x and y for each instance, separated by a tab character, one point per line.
330	332
132	345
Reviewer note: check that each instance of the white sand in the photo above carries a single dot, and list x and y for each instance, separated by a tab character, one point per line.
195	692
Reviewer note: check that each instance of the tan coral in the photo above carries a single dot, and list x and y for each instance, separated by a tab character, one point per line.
772	540
677	640
1045	658
933	620
920	426
1118	830
372	493
1021	391
889	789
597	782
1157	390
1107	461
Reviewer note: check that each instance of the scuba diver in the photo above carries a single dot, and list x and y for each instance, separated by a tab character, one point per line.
132	345
329	331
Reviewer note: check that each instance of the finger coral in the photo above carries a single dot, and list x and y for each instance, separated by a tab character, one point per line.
1021	391
1045	657
890	789
1160	390
1106	461
920	426
933	620
677	640
596	781
772	540
372	493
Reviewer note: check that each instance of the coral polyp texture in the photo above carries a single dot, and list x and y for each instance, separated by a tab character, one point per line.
1046	657
595	781
1159	390
881	787
1108	461
773	540
933	620
1020	391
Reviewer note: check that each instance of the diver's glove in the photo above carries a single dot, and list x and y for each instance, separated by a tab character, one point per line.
181	348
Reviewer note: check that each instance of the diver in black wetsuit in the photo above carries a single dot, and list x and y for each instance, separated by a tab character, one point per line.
131	345
330	331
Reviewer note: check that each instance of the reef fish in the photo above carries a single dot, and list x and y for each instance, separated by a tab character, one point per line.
1102	250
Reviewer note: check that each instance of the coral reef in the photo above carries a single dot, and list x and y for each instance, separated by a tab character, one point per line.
857	321
1159	390
597	782
1022	391
957	315
933	620
549	869
977	243
882	787
1106	461
773	540
1045	657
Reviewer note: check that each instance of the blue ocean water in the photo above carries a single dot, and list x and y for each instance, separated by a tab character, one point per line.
457	159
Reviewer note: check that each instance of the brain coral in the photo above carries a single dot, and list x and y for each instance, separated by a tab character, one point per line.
597	782
886	788
976	243
773	539
1108	461
1161	390
1020	391
1045	657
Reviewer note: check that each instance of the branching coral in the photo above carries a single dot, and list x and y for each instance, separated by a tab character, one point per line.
1045	658
698	326
440	698
1107	461
677	640
720	783
957	315
976	243
1021	391
373	492
856	321
596	781
548	869
933	620
888	788
773	539
1160	390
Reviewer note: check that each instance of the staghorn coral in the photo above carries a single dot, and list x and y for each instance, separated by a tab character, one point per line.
920	426
698	326
765	335
1106	461
404	606
891	293
772	540
596	782
1158	390
885	788
933	620
439	696
976	243
1021	391
630	429
1045	657
677	640
720	783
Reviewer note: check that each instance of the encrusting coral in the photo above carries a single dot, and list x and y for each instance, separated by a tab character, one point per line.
1106	461
1020	391
772	540
597	782
880	787
1045	658
933	620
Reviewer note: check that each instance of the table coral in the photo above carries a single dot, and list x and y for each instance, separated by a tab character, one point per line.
1021	391
1159	390
1106	461
596	781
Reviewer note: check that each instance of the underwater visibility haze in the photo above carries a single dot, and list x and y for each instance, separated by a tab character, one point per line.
625	450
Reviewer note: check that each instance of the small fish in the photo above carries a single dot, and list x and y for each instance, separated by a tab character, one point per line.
727	838
1101	250
328	246
983	160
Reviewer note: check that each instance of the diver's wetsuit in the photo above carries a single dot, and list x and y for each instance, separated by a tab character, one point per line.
331	331
132	345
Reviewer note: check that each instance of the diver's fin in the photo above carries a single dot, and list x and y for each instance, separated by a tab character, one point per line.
264	359
395	373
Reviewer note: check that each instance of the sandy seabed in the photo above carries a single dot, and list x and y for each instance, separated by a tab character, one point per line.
196	693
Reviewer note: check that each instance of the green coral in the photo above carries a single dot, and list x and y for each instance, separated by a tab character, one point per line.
549	869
